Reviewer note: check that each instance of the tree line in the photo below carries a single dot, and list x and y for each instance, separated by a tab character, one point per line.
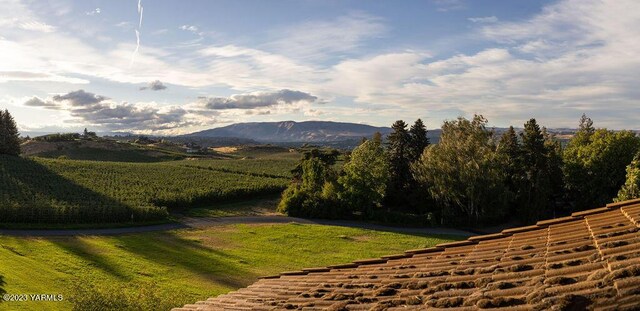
472	176
9	135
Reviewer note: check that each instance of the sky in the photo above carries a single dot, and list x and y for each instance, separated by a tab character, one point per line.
172	67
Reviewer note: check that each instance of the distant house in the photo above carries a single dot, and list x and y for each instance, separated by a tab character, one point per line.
192	150
587	261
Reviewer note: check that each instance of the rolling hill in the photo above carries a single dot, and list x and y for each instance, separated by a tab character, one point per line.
102	150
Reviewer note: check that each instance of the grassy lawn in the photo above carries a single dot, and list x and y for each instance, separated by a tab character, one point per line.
161	270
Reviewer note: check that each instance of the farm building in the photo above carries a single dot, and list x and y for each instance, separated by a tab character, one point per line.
589	260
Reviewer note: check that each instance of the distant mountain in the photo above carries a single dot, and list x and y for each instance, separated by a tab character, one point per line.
291	131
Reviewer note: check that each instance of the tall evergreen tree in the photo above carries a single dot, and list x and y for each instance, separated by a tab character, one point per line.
3	135
535	193
554	163
9	135
398	152
377	138
418	140
585	131
510	148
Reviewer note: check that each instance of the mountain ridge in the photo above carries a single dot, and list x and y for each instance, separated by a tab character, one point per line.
293	131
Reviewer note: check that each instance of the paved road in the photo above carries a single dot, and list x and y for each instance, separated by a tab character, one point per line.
207	222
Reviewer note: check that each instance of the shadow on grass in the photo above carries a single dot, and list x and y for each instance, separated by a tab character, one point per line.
95	257
2	284
169	249
166	249
43	196
266	204
434	232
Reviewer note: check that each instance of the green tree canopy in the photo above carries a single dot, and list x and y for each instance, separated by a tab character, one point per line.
631	188
328	156
595	164
464	173
365	176
312	195
314	174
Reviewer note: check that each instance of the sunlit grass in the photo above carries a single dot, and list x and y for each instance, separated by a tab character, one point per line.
183	266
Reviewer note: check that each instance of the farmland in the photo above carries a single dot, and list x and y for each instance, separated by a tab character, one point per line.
98	149
40	190
274	168
157	271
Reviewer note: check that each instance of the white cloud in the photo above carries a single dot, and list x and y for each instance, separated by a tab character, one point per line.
249	69
486	19
17	16
449	5
373	79
256	100
124	25
93	12
190	28
96	110
36	26
320	39
579	56
155	85
87	108
6	76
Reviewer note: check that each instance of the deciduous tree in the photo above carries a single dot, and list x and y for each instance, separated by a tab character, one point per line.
595	164
365	177
631	188
464	173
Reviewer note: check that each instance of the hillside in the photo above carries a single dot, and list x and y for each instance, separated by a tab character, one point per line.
100	149
291	131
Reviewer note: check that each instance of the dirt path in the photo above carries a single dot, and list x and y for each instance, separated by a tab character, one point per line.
208	222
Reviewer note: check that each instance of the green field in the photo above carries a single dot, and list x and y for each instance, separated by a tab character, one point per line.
263	205
275	168
98	149
161	270
39	190
97	154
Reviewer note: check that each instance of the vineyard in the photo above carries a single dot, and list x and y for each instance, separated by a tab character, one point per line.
38	190
275	168
100	150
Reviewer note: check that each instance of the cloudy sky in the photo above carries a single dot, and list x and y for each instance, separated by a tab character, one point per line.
170	67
